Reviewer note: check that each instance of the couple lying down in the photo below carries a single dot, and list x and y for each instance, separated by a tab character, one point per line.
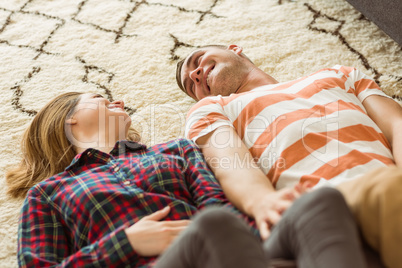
95	196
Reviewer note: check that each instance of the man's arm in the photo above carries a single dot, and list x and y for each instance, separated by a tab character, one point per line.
387	114
243	182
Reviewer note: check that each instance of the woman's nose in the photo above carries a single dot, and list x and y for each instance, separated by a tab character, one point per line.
119	103
196	75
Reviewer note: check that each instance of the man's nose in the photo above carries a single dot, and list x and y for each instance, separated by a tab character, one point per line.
196	75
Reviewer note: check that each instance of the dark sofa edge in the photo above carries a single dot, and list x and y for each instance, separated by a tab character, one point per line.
386	14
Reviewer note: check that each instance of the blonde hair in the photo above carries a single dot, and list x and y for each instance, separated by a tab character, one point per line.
45	148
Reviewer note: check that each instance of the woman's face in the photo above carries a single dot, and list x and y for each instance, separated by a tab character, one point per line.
94	115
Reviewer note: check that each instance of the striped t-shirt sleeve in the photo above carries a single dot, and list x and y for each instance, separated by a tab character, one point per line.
204	117
359	83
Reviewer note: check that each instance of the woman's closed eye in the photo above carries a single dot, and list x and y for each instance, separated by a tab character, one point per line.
98	96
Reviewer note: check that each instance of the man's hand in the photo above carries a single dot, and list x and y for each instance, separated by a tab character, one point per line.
245	185
150	236
268	211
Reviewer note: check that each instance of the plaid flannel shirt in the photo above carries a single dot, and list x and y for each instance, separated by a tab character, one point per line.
77	218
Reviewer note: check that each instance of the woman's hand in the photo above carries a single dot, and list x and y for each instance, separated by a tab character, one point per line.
150	236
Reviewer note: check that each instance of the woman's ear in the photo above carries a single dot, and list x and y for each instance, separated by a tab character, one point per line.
71	121
236	49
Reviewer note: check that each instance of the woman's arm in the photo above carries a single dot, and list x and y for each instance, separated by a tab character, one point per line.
201	182
43	241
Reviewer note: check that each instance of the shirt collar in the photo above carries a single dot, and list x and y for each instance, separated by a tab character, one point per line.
91	155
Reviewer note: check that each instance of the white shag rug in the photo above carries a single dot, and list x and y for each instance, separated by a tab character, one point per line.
127	49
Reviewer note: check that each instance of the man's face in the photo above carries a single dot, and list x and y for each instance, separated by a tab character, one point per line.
213	71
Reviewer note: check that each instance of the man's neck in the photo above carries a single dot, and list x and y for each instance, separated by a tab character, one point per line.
256	78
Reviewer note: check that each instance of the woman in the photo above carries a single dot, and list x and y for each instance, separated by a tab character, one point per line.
105	205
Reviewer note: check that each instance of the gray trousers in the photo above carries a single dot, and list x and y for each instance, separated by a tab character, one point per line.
318	230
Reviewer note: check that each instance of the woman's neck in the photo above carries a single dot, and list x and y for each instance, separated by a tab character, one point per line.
100	141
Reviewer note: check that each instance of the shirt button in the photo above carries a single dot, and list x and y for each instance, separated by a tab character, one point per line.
126	182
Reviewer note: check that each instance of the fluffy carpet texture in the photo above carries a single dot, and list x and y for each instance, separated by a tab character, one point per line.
128	50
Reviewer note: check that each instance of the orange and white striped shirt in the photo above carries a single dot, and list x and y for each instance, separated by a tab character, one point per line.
311	129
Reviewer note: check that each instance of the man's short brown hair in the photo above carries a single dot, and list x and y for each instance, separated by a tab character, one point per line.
180	66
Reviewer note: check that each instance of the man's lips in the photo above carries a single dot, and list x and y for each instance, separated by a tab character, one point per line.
206	74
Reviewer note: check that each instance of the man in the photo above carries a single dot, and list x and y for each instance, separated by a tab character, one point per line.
334	127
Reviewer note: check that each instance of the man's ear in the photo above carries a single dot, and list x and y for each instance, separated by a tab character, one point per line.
236	49
71	121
